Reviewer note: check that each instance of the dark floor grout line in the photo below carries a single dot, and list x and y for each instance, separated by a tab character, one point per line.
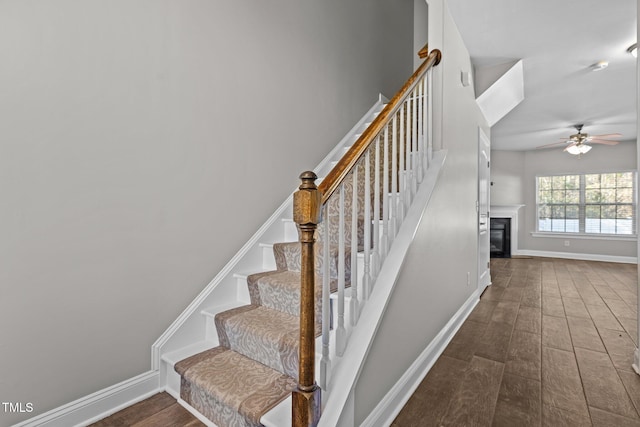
584	391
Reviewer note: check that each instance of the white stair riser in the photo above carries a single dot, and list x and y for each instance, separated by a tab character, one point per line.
268	260
290	230
243	288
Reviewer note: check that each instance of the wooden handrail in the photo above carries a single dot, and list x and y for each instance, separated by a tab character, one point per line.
333	179
307	206
424	52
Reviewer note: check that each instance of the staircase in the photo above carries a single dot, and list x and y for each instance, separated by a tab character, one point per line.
249	344
256	364
237	352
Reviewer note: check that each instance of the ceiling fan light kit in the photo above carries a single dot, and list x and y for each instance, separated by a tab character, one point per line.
576	150
600	65
579	143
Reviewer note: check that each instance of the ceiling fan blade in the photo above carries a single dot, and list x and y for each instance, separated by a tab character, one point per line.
603	141
550	145
607	135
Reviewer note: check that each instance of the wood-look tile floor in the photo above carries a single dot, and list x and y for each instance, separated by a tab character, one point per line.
160	410
550	343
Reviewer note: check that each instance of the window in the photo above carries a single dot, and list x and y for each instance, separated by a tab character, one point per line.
589	203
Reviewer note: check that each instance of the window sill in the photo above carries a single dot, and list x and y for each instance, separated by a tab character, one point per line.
623	237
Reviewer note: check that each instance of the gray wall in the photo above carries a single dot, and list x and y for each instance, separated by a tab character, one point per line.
420	28
433	283
513	174
141	145
507	180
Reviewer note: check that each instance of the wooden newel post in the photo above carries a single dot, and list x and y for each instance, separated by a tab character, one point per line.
307	214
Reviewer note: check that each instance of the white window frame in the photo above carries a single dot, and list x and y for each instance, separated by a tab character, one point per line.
581	233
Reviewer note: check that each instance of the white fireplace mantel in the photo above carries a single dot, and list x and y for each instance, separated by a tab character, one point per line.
508	211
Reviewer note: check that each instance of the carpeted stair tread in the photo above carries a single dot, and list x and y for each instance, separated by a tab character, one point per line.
231	389
263	334
280	290
287	256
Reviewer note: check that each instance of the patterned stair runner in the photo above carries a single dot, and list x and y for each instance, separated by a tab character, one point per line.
256	365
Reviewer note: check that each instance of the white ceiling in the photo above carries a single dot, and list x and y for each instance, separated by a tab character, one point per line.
558	41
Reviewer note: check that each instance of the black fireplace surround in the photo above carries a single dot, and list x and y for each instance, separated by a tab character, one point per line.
500	237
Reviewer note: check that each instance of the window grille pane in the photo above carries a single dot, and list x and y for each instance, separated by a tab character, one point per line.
544	218
592	196
544	212
608	220
592	212
544	183
608	195
608	180
573	182
572	226
624	212
573	196
544	224
558	182
592	181
624	195
625	179
557	225
592	225
544	196
557	212
558	196
573	212
608	211
624	226
592	220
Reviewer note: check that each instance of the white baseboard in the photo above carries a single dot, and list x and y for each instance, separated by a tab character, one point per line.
393	402
98	405
578	256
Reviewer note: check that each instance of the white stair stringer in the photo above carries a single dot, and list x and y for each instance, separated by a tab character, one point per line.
194	330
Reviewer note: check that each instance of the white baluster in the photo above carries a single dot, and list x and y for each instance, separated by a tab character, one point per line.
408	166
425	125
406	157
325	361
341	332
420	139
414	143
430	124
366	281
385	197
393	214
376	211
354	306
402	175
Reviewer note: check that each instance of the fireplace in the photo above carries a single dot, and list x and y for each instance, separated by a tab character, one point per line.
500	237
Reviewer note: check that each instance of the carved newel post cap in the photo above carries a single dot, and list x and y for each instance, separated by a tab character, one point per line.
308	180
307	201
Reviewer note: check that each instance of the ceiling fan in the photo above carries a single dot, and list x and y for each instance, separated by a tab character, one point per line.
579	143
